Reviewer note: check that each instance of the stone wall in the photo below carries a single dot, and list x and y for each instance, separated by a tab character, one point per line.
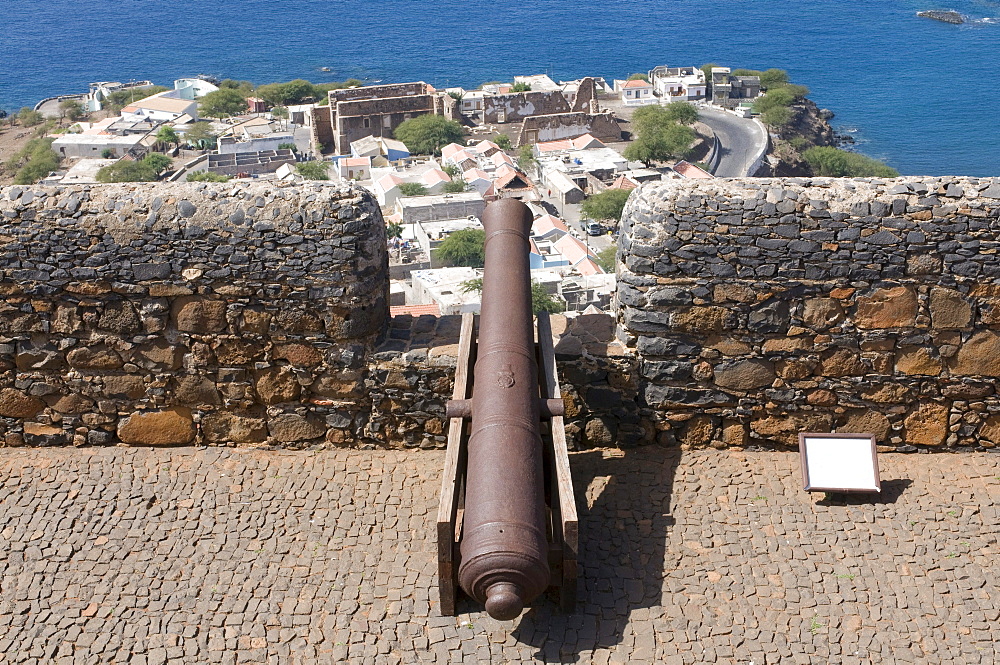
602	126
180	313
761	308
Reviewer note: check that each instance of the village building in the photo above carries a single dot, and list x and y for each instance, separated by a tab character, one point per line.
636	92
377	110
412	209
678	84
254	135
380	150
97	145
443	287
387	181
162	107
353	168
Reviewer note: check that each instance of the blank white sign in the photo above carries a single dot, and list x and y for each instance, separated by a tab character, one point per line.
839	463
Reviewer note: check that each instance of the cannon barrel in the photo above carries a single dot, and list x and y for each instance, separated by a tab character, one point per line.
504	552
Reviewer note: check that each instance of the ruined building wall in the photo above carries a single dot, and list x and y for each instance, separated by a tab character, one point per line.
761	308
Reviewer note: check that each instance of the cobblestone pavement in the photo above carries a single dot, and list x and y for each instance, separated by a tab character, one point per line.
206	556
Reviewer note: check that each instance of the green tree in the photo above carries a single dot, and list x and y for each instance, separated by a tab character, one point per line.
107	153
520	87
463	248
502	141
427	134
313	170
292	92
157	162
660	143
607	257
207	176
72	109
28	117
280	112
606	205
452	170
827	161
773	78
167	135
200	135
223	103
454	187
393	230
245	88
681	112
288	146
638	77
526	157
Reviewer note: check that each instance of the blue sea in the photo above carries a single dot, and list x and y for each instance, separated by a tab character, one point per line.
917	93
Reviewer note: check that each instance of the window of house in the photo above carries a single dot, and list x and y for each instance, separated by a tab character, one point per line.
386	121
368	122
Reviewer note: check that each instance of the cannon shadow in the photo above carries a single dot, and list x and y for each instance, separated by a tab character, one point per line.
624	504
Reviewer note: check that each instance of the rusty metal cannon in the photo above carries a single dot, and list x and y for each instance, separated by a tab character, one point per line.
507	453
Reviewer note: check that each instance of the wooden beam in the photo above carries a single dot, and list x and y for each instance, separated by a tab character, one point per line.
451	485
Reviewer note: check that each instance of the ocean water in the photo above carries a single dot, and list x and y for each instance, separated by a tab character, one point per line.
917	93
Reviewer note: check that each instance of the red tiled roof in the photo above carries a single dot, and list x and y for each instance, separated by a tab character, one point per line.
637	83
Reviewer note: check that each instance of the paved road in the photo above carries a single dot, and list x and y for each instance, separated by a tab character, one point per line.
232	556
741	139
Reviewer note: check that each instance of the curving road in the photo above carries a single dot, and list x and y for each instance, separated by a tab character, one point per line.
741	140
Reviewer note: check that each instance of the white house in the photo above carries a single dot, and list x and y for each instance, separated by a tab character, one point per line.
678	84
193	88
635	92
354	168
163	107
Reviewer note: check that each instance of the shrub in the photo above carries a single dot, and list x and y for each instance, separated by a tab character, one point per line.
207	176
313	170
638	77
520	87
827	161
412	189
288	146
502	141
33	162
147	169
454	187
606	258
29	117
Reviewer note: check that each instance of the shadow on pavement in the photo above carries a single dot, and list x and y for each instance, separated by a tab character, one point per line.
891	491
623	499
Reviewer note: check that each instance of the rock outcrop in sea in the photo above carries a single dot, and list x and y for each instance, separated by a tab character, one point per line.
946	16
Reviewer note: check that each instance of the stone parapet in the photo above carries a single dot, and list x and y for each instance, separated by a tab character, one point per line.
761	308
180	313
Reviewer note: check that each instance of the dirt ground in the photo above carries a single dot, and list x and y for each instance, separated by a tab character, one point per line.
12	139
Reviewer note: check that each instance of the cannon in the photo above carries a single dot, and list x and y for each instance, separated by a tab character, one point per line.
517	514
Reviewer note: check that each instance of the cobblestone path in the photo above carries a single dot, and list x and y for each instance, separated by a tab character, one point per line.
230	556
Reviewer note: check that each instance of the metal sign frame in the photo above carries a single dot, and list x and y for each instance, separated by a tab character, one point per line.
803	459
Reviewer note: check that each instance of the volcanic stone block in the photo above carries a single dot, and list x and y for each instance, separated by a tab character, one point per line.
927	425
894	307
949	309
94	357
15	404
744	374
978	356
199	315
158	428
